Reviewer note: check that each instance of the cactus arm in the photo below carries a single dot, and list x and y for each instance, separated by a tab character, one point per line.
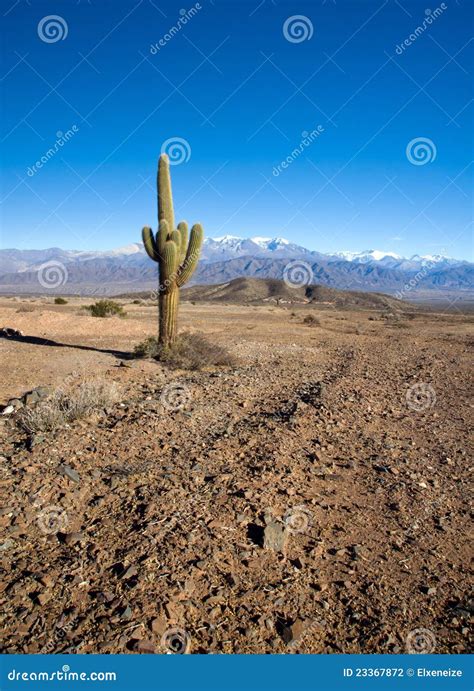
192	255
168	264
165	198
176	237
183	229
149	242
162	237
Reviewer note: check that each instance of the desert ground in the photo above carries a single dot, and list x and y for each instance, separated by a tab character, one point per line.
313	497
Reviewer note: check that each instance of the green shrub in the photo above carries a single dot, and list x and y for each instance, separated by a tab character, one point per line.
60	301
106	308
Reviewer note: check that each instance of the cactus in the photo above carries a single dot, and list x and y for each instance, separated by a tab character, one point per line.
177	258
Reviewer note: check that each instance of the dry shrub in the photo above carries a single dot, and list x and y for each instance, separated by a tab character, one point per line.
26	308
60	301
63	407
191	351
311	320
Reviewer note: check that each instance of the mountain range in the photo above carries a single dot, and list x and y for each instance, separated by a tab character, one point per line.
128	269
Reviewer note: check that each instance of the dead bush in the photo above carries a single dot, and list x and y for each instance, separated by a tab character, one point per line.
311	320
25	308
191	351
63	407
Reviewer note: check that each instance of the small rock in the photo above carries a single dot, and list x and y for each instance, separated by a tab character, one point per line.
130	572
46	580
144	646
8	410
43	598
275	537
16	403
42	391
126	615
34	440
69	473
8	544
6	332
72	538
294	631
159	625
31	398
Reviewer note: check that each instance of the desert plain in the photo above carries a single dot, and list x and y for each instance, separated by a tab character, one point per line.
311	497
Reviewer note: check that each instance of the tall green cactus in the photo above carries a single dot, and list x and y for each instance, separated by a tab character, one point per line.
177	258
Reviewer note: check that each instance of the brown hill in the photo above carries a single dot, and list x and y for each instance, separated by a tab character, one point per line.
258	291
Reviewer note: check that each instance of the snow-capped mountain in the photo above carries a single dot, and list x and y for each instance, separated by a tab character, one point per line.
395	260
366	256
231	246
128	268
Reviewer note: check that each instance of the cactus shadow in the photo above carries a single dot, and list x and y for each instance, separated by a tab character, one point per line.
36	340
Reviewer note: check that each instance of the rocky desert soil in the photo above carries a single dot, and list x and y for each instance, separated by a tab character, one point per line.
312	498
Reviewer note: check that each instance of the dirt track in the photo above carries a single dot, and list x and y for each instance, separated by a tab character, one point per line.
312	430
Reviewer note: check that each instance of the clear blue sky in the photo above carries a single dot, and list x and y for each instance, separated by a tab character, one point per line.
231	84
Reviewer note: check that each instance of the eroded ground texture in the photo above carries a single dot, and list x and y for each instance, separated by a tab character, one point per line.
313	498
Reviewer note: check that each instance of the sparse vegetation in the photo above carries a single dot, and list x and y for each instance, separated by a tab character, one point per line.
63	407
60	301
25	308
105	308
311	320
190	351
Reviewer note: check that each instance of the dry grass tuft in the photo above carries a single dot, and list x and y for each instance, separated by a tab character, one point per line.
63	407
25	308
191	351
311	320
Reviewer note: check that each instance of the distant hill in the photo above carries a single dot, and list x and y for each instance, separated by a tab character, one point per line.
252	291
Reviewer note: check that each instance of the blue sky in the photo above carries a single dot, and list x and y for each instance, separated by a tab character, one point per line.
240	93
